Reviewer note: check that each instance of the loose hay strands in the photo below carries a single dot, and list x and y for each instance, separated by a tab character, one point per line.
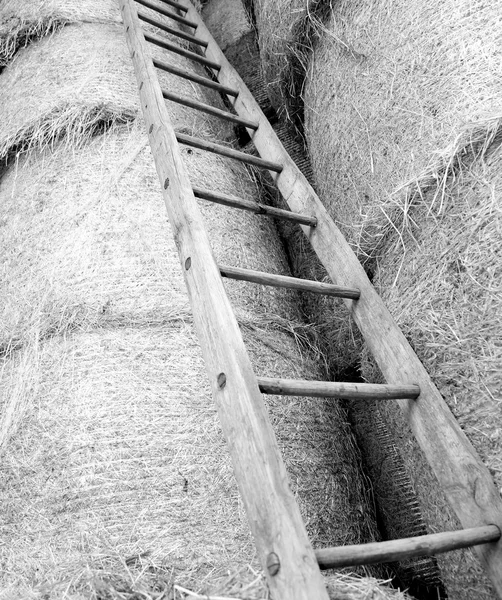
457	336
24	21
75	83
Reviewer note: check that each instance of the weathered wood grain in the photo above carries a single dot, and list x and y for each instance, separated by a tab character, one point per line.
292	283
397	550
252	206
336	389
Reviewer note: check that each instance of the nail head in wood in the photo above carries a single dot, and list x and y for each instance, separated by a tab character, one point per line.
188	263
222	380
273	564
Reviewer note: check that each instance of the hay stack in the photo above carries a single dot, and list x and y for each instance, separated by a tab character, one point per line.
402	119
128	486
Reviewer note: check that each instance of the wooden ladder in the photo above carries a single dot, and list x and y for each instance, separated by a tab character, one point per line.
291	565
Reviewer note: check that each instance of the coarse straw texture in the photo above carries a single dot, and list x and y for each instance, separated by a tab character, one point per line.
226	22
400	90
453	316
80	80
23	21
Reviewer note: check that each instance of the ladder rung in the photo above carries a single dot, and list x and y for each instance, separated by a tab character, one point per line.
228	152
172	30
350	391
175	4
167	13
196	78
288	282
397	550
255	207
207	108
186	53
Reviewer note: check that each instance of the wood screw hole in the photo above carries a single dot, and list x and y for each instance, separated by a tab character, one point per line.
273	564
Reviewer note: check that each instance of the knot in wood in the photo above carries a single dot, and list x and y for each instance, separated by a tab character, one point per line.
273	564
222	380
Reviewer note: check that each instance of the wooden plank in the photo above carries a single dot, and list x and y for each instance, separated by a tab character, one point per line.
175	4
274	517
196	78
337	389
181	51
168	13
207	108
464	478
171	30
228	152
260	209
397	550
292	283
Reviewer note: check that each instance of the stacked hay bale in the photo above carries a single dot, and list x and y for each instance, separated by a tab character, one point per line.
115	480
402	119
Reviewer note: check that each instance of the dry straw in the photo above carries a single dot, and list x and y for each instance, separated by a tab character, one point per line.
128	486
23	21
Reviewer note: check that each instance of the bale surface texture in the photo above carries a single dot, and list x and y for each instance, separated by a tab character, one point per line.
22	21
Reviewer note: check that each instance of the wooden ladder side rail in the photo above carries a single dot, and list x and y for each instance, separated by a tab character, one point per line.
285	551
464	478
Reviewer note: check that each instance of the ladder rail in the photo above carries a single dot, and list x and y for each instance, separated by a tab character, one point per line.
285	551
465	480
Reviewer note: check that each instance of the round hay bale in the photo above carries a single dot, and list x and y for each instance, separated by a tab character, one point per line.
80	80
22	21
456	337
389	91
227	21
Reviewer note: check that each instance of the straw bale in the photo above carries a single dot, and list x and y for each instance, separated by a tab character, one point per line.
79	80
227	21
390	89
453	315
114	344
22	21
25	21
